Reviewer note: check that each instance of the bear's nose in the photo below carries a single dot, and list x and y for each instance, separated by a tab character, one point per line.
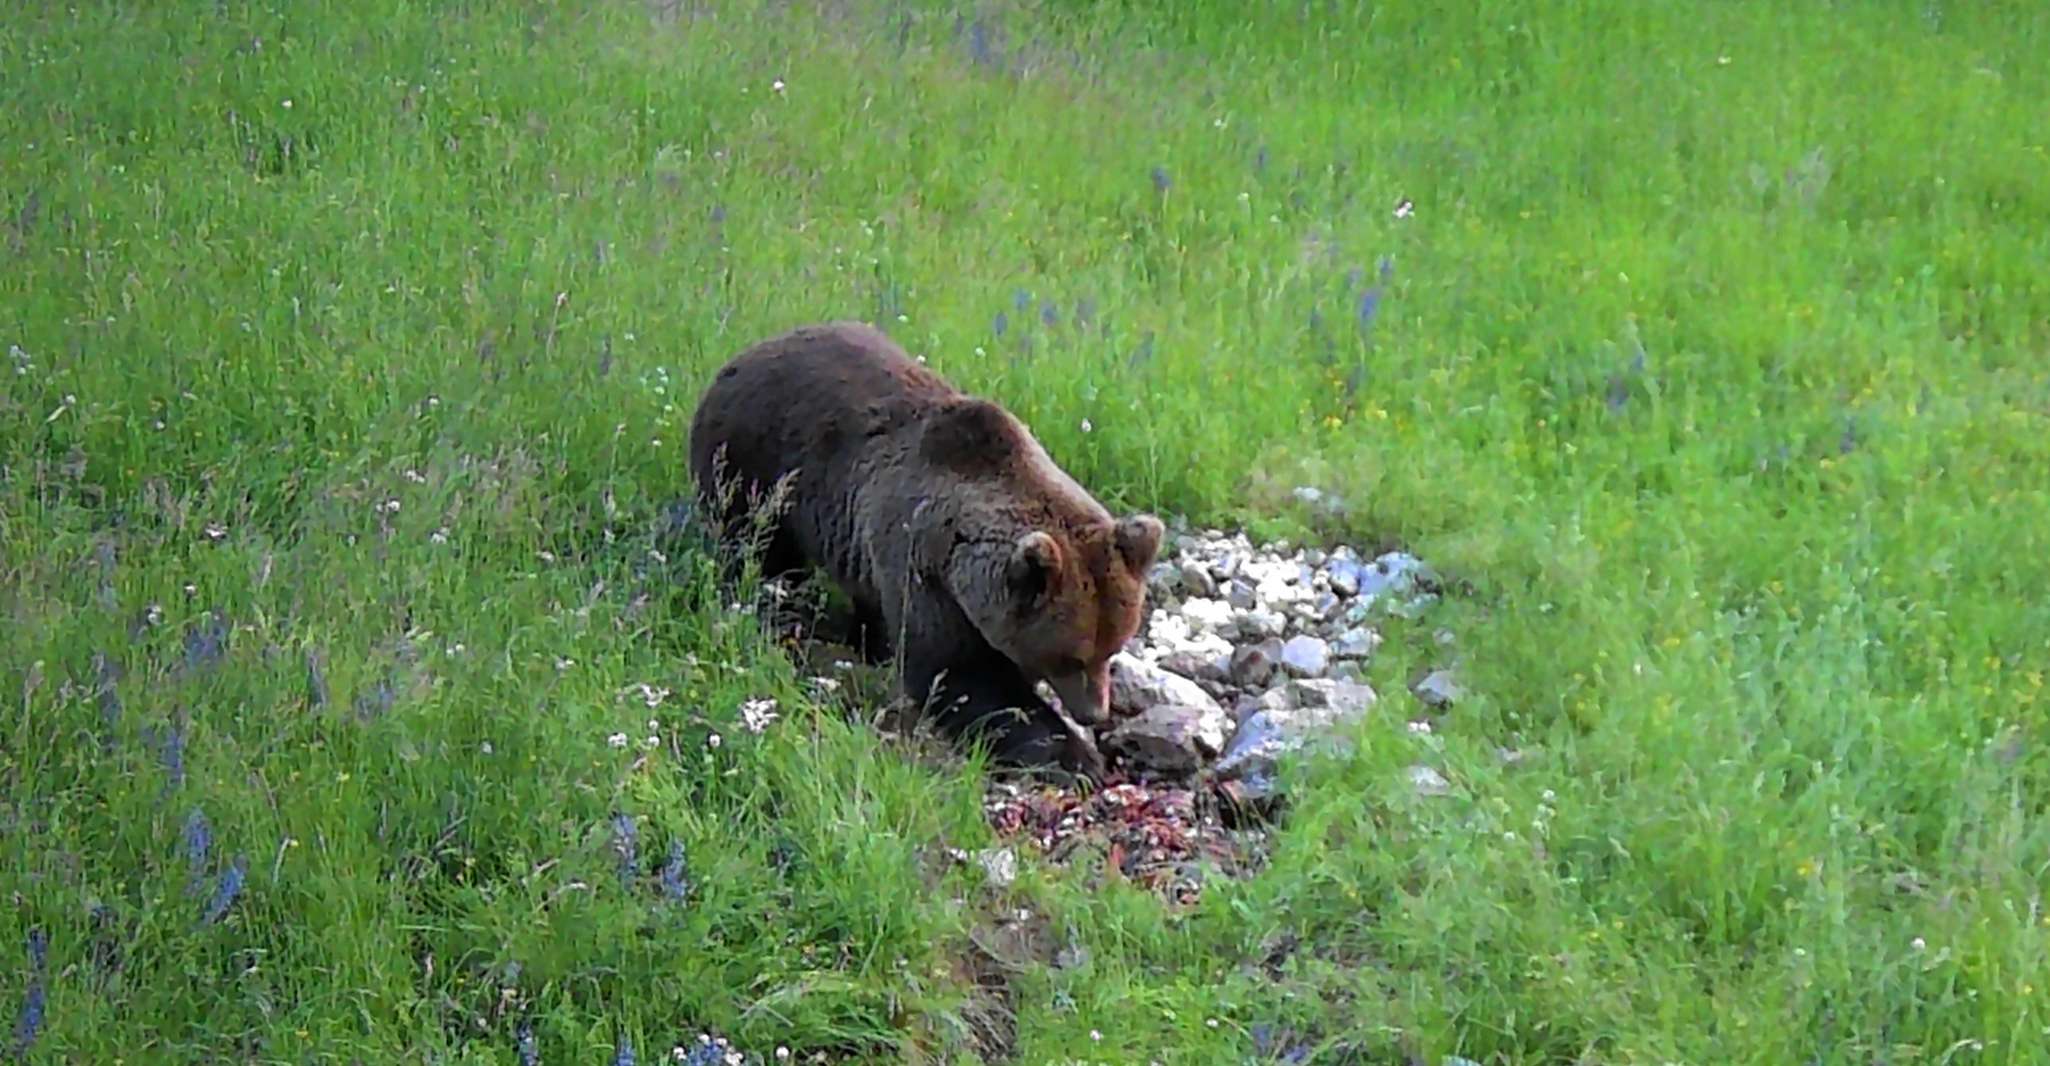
1085	695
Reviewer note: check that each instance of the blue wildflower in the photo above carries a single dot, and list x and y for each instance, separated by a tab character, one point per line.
529	1051
675	875
199	839
226	892
1370	303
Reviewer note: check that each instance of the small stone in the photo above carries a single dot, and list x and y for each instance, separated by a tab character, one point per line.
1206	614
1270	732
1429	782
1438	689
1313	557
1253	665
1209	646
1164	580
1344	576
1275	699
1241	595
1305	656
1358	642
1194	666
1344	697
1171	738
1001	864
1260	624
1197	580
1167	629
1137	686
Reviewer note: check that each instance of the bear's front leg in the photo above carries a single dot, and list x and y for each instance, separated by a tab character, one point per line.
973	693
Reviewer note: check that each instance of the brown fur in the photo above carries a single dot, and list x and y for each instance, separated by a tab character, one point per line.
960	542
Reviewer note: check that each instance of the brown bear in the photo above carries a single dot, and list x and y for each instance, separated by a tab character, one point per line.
981	565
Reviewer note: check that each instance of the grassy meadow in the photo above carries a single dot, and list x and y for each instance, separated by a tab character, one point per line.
358	702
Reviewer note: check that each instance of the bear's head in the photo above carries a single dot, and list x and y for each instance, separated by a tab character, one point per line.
1074	601
1064	586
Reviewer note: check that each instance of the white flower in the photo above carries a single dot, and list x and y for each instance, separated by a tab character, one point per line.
776	86
617	740
1086	426
1405	208
757	714
712	741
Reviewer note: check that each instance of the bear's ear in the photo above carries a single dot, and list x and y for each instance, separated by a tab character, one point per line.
1035	560
1138	540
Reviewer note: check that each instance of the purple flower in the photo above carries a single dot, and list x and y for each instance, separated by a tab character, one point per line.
529	1052
1370	303
675	875
625	1055
1161	181
1049	315
1002	323
205	642
226	892
978	43
31	1020
173	751
199	841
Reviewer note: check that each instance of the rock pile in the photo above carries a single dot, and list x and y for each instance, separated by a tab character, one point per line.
1250	652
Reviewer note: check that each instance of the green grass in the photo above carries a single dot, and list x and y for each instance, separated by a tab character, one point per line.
376	326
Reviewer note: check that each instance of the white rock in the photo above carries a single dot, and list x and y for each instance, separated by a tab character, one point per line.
1137	686
1001	864
1166	629
1196	579
1305	656
1259	624
1172	738
1438	689
1429	782
1204	613
1342	696
1358	642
